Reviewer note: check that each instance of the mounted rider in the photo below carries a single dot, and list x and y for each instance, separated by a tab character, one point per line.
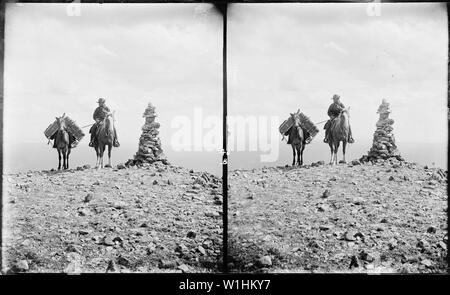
99	115
334	110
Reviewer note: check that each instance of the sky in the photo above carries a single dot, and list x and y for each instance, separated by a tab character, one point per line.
60	61
284	57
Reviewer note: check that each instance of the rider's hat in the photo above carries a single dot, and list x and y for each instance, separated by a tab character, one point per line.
336	96
101	100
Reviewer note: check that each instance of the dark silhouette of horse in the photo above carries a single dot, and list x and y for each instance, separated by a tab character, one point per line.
297	139
62	142
104	137
339	131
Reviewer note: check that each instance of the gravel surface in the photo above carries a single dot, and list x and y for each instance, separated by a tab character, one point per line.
383	217
156	218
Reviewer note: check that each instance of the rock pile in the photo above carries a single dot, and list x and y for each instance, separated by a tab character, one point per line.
384	146
150	150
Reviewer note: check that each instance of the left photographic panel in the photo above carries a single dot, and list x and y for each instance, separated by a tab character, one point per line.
112	136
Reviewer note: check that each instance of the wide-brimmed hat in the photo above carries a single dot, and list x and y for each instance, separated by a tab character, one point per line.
101	100
335	96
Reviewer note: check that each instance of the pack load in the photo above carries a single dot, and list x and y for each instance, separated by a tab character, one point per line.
286	125
71	127
305	122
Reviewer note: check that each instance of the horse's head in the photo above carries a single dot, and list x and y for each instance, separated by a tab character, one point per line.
296	117
345	112
61	122
109	119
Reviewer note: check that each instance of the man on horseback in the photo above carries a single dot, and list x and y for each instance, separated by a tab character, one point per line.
99	115
334	110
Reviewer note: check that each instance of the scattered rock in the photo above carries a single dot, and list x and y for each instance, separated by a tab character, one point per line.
431	230
201	250
423	244
74	248
123	261
350	235
112	267
184	268
264	261
181	248
167	264
21	266
191	234
354	262
427	262
326	193
212	214
88	198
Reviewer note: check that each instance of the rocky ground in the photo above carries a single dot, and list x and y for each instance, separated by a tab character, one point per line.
383	217
157	218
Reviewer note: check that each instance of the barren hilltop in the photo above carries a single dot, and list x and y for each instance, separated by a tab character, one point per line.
155	218
381	216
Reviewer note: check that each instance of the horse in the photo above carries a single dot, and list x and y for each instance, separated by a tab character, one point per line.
104	137
62	142
297	139
339	131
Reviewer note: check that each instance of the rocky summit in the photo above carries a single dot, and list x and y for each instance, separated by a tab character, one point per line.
385	216
112	220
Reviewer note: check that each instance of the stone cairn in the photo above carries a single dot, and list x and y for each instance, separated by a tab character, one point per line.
383	146
149	150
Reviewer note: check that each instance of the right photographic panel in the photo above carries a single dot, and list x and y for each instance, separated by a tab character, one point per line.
337	138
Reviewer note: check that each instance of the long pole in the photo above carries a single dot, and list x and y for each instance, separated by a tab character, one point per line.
224	147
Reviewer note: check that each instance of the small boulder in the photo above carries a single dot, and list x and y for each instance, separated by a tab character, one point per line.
264	261
201	250
326	193
167	264
88	198
184	268
21	266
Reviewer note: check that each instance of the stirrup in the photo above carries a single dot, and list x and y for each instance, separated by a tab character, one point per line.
116	144
351	140
91	144
325	140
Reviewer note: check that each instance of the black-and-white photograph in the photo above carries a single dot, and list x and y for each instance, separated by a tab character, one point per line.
112	138
225	137
338	138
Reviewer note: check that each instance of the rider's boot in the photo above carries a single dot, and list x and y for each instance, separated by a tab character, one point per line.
116	143
91	143
326	137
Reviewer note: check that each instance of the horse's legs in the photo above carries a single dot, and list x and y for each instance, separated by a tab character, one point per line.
102	150
344	144
331	152
299	162
97	152
59	157
68	153
336	149
64	154
109	155
293	154
301	153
